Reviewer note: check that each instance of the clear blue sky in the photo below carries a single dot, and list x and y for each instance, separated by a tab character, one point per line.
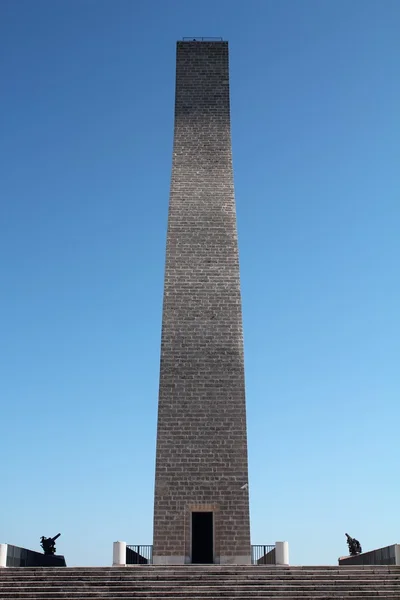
86	122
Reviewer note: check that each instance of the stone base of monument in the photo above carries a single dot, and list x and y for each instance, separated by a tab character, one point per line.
203	582
54	560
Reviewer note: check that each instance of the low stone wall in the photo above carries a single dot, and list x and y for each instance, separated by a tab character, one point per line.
389	555
14	556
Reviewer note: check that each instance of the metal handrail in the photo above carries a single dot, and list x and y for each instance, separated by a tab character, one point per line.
263	554
139	554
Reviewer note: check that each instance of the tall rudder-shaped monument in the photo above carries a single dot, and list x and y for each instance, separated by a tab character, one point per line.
201	511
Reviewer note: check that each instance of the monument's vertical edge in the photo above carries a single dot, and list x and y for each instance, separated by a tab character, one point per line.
201	461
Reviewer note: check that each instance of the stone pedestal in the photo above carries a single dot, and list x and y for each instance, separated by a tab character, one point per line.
3	555
119	554
282	553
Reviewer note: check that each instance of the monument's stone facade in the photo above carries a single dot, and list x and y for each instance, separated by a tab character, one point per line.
201	463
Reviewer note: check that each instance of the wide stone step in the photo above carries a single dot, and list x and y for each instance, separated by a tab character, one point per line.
194	581
164	589
205	568
174	595
115	589
132	576
371	581
206	582
138	573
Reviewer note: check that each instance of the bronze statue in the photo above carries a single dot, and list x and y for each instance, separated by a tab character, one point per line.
48	544
354	545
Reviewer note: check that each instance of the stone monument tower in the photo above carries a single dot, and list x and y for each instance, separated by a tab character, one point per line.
201	511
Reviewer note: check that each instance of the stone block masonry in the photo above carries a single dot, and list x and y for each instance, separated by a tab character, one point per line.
201	458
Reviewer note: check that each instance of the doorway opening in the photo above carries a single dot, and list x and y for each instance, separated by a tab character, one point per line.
202	538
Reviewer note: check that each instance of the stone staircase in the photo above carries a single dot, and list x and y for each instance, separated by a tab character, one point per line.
200	582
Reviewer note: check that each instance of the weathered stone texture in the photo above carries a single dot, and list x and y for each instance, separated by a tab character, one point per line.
201	439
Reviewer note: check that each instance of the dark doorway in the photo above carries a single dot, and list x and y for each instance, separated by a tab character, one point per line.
202	537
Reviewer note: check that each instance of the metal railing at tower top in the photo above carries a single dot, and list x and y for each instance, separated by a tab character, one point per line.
202	39
263	554
139	555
